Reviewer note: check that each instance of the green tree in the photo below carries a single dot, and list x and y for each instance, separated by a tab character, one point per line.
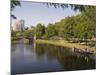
86	25
66	27
51	31
28	33
40	31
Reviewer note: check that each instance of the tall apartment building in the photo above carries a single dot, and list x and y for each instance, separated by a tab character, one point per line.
18	25
21	22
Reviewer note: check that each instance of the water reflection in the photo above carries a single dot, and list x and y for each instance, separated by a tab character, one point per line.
66	58
35	58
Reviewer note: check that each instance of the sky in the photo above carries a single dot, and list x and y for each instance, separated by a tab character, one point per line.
34	13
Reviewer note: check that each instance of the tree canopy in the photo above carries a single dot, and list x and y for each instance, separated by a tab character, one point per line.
81	26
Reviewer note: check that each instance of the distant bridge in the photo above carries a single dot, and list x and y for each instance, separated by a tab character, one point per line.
31	38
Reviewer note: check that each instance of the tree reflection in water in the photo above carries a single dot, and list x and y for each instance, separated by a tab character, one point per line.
67	59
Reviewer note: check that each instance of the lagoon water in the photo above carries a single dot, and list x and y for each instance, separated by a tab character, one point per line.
37	58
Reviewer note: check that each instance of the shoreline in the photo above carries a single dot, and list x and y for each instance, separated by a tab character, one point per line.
79	47
67	44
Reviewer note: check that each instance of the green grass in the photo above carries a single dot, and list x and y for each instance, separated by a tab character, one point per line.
66	44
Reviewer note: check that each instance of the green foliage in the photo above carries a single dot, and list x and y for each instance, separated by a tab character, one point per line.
67	28
51	31
81	27
86	27
28	33
15	35
39	31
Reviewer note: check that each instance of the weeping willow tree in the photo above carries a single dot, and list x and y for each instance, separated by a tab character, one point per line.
75	7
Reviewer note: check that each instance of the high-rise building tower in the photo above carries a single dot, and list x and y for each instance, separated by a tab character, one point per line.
21	25
18	25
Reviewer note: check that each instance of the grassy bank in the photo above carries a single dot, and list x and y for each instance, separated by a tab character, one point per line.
66	44
25	41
